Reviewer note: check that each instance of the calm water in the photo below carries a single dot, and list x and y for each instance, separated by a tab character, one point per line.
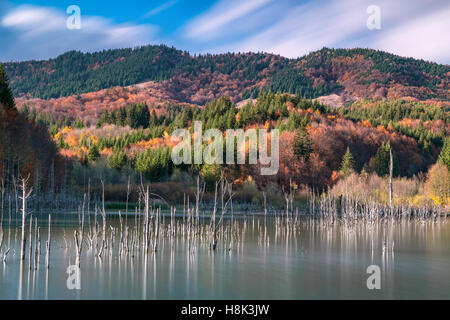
312	262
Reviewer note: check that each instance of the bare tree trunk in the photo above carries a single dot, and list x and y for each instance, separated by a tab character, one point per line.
265	203
16	198
52	183
37	188
47	258
89	205
214	243
30	248
126	204
2	200
25	196
391	170
103	215
79	235
37	244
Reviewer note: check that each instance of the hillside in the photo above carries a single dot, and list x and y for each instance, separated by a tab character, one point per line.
89	106
350	73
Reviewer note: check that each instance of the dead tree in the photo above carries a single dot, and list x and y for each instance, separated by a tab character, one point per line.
79	235
198	198
391	170
47	256
214	238
2	190
103	215
25	195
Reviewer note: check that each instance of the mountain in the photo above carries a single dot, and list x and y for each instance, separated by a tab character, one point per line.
350	73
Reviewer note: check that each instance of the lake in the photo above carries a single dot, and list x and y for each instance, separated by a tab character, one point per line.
253	260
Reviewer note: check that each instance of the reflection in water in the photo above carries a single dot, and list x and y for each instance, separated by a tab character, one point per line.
257	257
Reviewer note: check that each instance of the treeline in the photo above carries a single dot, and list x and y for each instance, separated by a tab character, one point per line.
310	76
316	136
50	121
85	72
390	115
408	71
134	115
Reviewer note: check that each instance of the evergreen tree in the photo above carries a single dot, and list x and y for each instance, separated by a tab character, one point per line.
444	156
78	124
93	154
154	163
104	118
348	163
303	146
6	96
118	160
382	160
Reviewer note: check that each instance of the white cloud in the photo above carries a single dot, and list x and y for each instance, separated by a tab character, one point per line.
41	32
409	27
306	28
161	8
426	37
220	17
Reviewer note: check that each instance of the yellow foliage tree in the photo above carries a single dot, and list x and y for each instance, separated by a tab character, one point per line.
438	184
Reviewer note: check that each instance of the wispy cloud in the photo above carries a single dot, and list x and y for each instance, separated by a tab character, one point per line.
41	31
423	37
161	8
216	20
306	28
292	28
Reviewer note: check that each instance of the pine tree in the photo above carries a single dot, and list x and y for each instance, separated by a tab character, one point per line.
348	163
117	160
6	95
303	146
93	154
78	124
382	160
444	156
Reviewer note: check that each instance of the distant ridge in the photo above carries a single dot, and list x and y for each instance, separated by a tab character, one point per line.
355	73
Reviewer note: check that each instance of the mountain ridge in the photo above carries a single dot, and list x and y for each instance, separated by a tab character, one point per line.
353	73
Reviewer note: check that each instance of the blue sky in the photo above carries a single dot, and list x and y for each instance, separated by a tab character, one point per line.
36	29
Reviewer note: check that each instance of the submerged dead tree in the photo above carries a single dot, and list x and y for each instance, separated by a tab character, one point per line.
2	190
25	195
391	170
48	243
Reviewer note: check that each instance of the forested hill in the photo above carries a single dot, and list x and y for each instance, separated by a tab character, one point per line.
360	73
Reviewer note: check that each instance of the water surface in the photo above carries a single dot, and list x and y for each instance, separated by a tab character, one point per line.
313	262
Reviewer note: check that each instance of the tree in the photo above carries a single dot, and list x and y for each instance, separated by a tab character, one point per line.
348	163
444	156
78	124
438	183
6	96
154	163
117	160
303	146
93	154
382	160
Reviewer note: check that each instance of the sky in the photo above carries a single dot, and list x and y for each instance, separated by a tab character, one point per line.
37	29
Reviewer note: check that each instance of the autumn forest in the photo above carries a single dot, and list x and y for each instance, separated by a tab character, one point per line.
82	118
